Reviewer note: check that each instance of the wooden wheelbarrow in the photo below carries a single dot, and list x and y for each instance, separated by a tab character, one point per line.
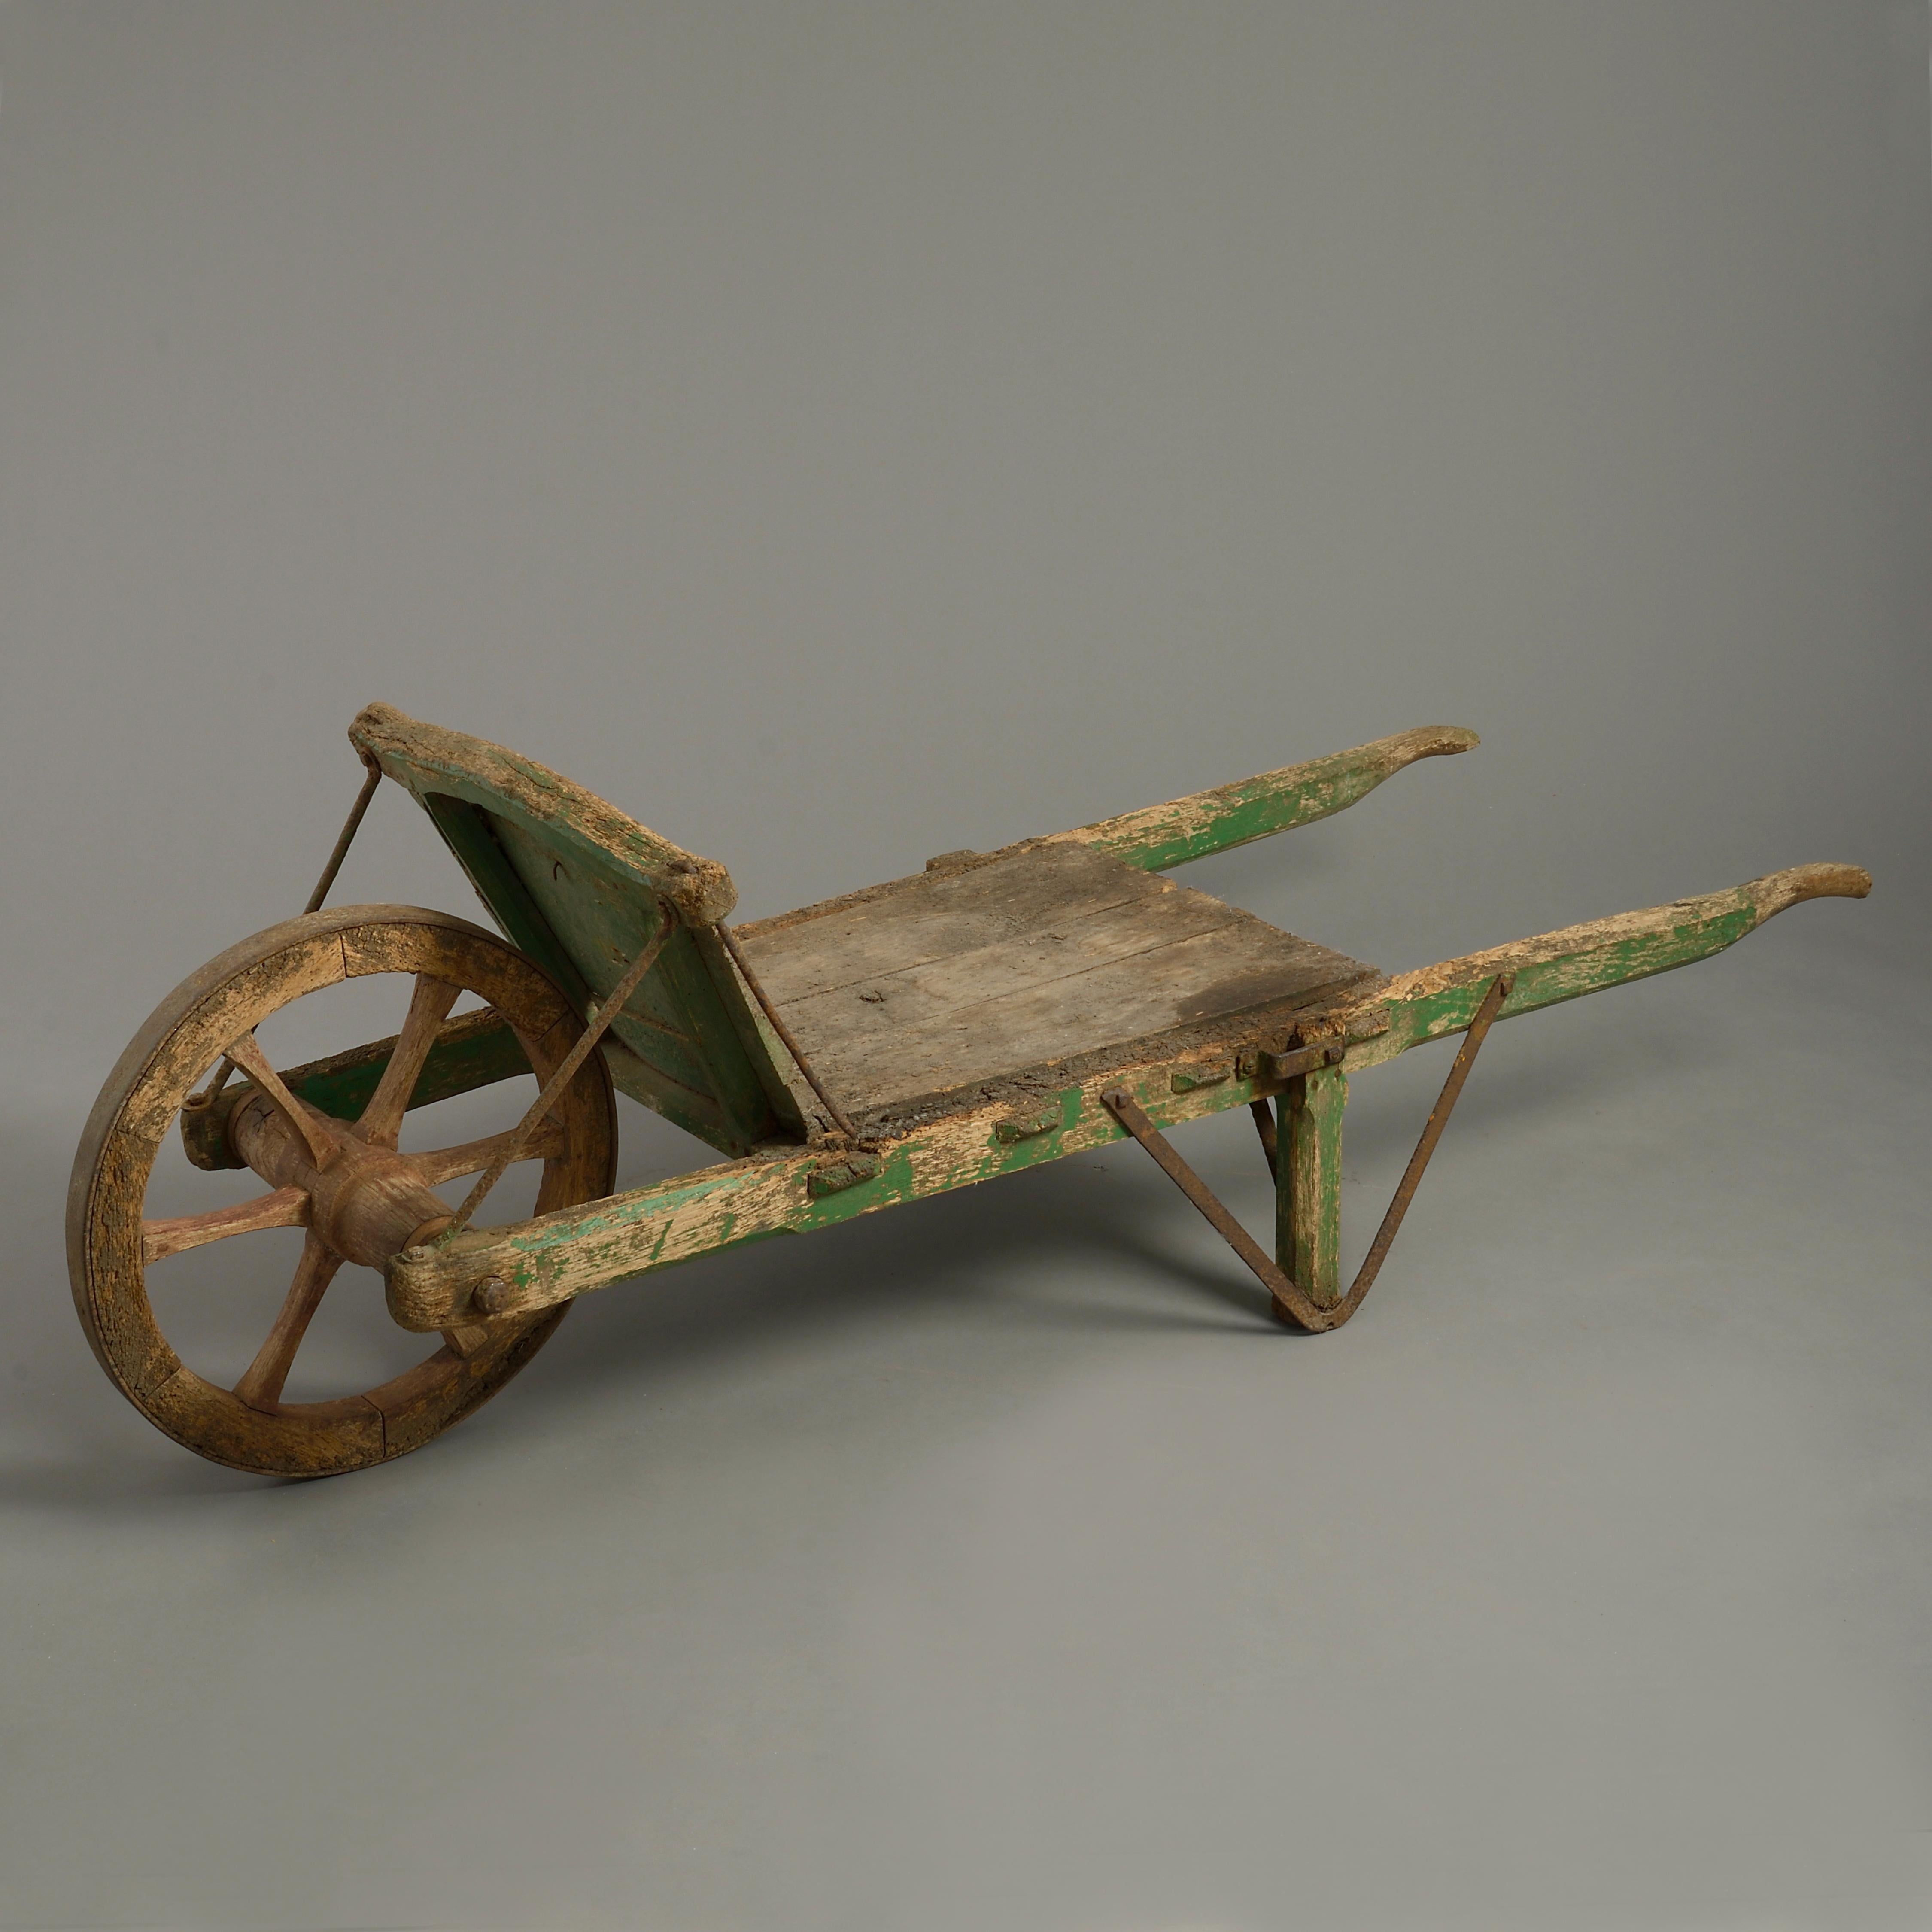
999	1010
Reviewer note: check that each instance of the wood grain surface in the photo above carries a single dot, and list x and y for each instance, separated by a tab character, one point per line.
1033	959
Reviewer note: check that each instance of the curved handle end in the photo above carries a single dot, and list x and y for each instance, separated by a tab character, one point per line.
1435	741
1794	886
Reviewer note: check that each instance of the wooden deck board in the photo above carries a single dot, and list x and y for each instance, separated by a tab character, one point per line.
930	917
1046	955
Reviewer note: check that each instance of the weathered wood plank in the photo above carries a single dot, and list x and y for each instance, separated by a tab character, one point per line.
913	922
921	990
1160	836
1197	976
427	760
1032	960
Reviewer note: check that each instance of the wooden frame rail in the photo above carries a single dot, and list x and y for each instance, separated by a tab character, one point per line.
516	1270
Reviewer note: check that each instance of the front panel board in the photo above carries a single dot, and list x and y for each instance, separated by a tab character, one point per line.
686	1044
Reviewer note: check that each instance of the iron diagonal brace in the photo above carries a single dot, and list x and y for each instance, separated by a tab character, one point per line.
1290	1303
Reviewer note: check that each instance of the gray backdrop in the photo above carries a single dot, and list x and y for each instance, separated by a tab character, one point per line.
840	434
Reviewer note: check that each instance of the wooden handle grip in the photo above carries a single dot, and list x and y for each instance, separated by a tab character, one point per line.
1793	887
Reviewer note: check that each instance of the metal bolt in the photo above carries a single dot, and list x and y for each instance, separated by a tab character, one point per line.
491	1295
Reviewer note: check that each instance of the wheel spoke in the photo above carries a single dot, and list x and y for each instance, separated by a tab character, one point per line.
381	1119
469	1340
286	1207
545	1142
320	1141
261	1385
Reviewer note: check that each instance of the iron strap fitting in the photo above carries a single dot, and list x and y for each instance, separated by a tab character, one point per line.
351	826
344	839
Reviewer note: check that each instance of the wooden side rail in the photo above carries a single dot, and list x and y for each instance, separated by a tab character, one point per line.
1161	835
515	1270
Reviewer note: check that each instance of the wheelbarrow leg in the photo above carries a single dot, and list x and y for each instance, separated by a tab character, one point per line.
1308	1183
1470	994
1311	1185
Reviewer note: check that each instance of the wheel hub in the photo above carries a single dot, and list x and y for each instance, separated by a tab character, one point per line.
366	1203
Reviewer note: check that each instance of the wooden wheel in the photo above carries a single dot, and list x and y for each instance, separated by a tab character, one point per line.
358	1199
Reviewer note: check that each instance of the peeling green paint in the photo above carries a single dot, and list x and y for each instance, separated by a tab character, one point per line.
1163	835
